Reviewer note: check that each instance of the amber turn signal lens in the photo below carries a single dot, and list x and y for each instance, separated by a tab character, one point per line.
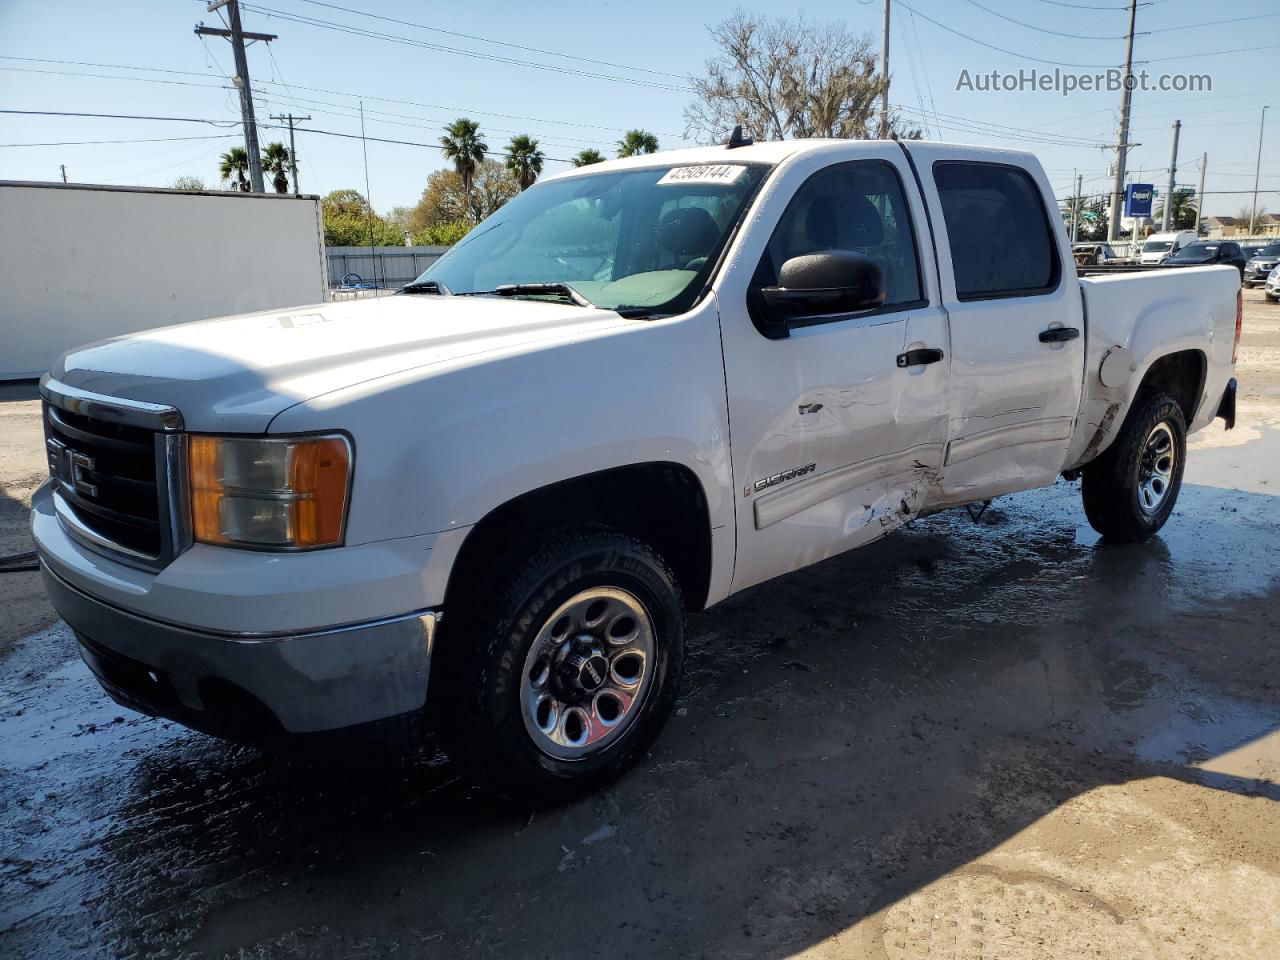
284	492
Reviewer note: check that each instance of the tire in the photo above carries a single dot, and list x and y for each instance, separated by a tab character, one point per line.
1272	299
523	690
1131	489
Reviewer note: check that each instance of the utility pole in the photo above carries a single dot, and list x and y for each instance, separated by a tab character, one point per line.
293	151
884	74
237	36
1204	163
1122	148
1257	169
1075	208
1173	171
63	168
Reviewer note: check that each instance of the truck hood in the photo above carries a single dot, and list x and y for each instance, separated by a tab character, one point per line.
235	374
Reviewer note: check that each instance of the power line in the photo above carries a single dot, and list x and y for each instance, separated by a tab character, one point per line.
1038	136
328	133
120	116
1056	33
1212	23
407	143
375	114
458	51
992	46
85	143
482	39
1081	6
1212	53
288	88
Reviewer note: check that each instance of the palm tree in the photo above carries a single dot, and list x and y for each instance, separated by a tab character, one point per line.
637	142
1182	215
234	166
587	157
277	161
462	144
524	160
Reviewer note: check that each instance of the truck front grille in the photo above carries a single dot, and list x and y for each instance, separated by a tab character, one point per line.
111	477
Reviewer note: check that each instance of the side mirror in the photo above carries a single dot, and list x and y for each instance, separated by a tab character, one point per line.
821	284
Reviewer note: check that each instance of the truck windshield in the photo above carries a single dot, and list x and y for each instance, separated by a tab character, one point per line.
1156	246
642	239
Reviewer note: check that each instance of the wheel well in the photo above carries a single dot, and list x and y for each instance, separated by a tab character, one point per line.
1181	375
660	503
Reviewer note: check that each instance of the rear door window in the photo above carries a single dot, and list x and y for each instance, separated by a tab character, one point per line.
998	230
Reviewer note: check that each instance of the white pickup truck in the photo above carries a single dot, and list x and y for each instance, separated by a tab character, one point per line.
638	388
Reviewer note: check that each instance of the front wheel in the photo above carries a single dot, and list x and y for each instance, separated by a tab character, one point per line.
1130	490
573	666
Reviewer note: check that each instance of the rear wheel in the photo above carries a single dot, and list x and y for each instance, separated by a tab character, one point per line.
573	665
1131	489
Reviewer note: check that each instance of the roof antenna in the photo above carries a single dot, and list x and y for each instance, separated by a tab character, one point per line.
736	139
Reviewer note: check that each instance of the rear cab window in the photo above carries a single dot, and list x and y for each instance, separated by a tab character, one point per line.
998	230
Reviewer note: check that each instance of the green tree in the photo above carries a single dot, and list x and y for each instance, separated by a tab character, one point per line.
442	234
445	200
584	158
462	145
349	222
401	219
233	167
1182	213
637	142
277	161
524	160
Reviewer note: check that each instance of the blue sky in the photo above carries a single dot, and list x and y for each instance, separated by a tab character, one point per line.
651	46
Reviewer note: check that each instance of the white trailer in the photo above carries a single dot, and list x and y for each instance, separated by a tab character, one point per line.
82	262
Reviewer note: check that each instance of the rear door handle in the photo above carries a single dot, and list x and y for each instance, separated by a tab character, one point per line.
915	358
1058	334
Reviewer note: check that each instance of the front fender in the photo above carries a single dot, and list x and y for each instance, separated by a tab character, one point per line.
438	452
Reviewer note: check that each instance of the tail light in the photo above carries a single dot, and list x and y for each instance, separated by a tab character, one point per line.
1235	347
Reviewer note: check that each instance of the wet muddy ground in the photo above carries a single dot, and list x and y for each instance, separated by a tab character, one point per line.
990	738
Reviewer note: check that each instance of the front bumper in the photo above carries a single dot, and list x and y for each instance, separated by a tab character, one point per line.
247	687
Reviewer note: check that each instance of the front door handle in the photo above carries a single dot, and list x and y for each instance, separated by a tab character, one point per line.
1058	334
915	358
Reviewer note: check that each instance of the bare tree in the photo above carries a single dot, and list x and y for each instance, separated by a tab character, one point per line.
783	78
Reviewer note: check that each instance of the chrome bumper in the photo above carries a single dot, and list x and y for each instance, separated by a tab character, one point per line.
248	687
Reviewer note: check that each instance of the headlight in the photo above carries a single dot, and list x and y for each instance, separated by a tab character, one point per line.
284	492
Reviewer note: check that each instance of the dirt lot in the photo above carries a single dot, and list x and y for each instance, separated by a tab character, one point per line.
991	739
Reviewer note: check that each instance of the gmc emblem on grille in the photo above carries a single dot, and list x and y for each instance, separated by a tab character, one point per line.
71	468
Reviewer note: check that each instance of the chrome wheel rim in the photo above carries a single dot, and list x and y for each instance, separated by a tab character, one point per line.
587	673
1155	468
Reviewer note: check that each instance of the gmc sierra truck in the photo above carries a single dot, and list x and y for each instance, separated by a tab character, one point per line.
638	388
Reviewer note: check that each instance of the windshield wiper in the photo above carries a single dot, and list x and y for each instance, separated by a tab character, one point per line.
427	286
533	290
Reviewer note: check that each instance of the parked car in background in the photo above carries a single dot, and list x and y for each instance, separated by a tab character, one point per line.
1251	250
1259	266
1273	286
1205	252
1158	246
1096	254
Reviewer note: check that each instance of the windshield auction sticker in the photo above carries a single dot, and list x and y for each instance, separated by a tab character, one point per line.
707	173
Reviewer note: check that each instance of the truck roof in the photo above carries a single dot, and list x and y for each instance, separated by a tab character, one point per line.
764	151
